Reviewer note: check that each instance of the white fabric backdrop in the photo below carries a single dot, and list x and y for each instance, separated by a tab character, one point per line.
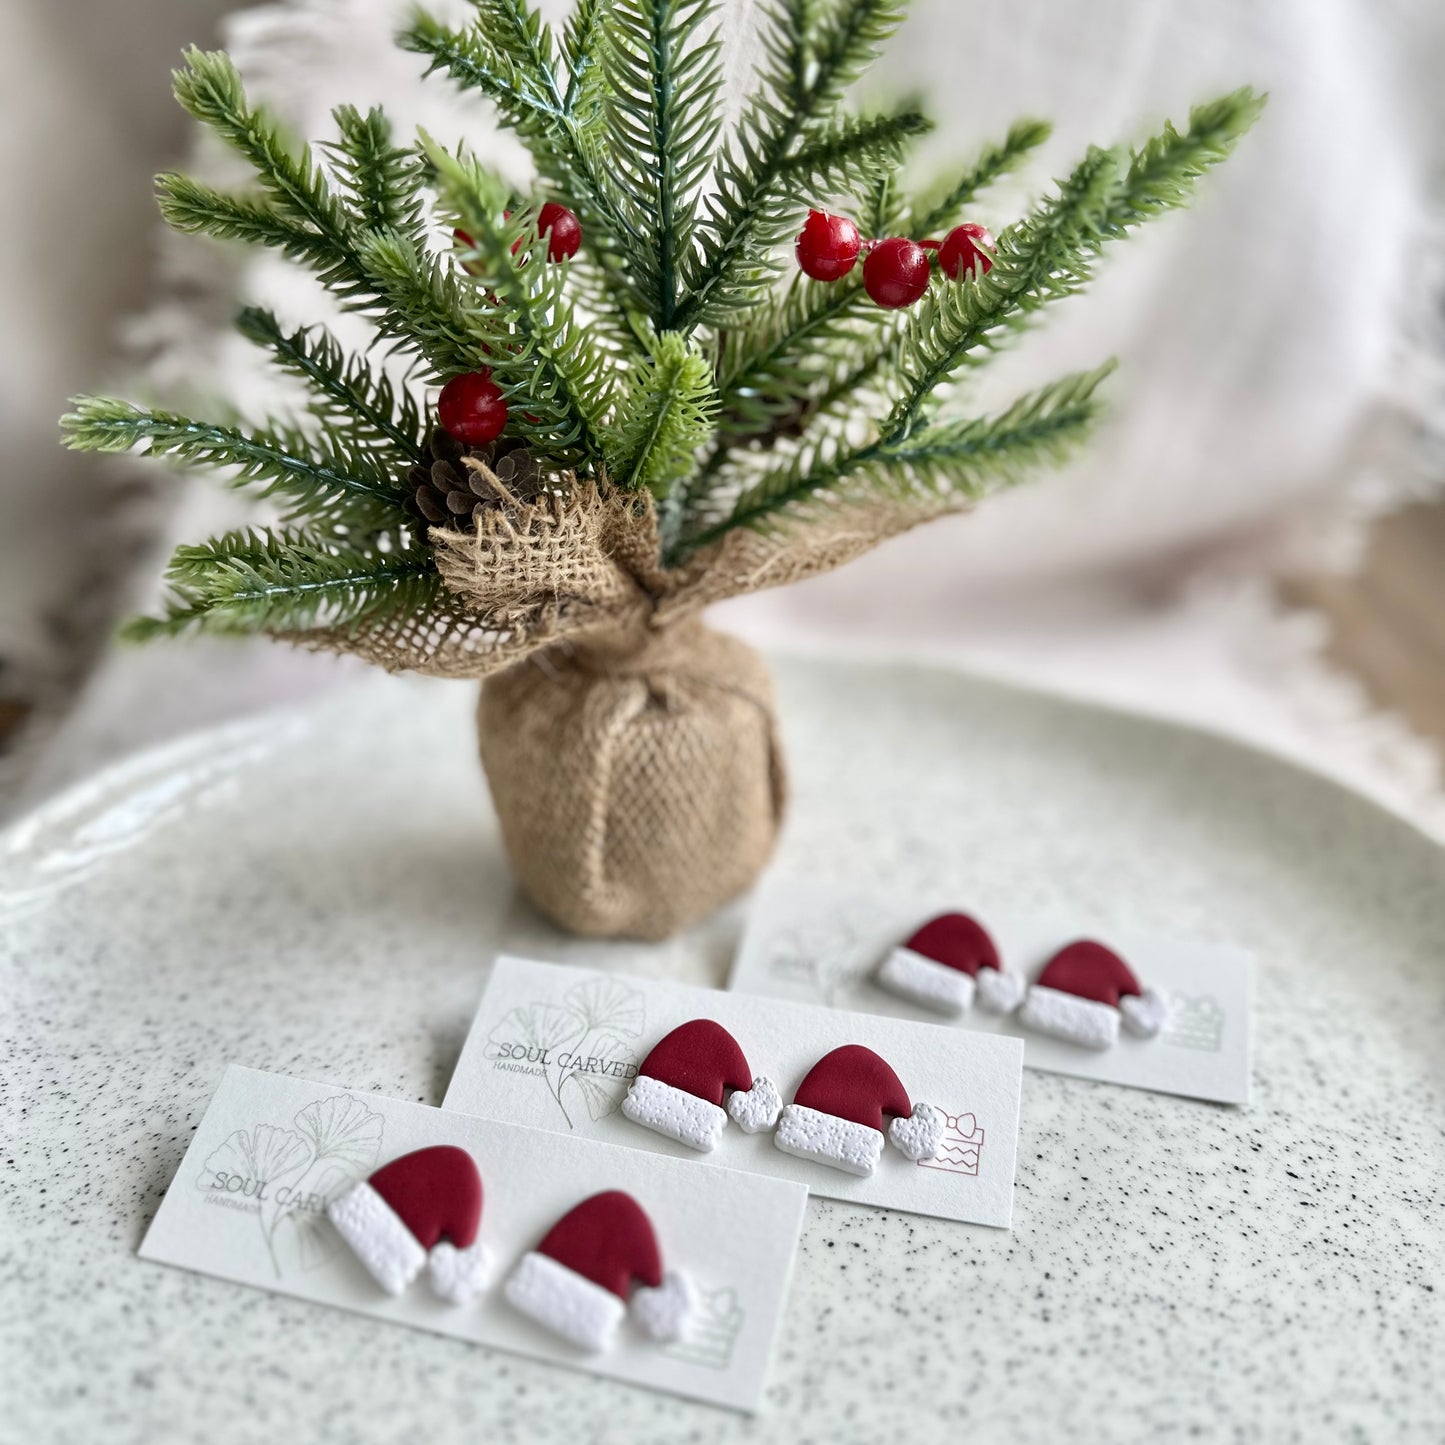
1262	335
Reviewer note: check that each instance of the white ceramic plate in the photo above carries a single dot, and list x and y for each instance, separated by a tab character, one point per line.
320	893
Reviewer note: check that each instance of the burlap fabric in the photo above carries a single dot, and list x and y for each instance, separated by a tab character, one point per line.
631	752
637	790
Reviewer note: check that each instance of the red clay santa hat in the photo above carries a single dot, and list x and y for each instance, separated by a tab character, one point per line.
1085	991
948	964
422	1209
680	1086
577	1282
836	1116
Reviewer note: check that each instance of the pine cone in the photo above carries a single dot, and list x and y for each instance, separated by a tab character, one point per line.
462	480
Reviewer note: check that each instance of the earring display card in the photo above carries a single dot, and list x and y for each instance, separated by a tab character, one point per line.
556	1047
248	1203
818	943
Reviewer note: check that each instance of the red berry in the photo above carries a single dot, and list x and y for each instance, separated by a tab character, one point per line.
562	229
896	272
968	247
827	246
471	408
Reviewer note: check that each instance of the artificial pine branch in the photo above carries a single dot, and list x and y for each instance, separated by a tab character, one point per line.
965	459
533	344
498	56
996	162
666	414
768	369
345	391
661	74
810	60
693	377
382	180
195	209
301	215
252	581
476	60
325	480
579	48
1051	254
209	88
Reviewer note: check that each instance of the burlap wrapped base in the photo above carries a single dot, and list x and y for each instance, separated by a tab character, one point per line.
639	784
630	751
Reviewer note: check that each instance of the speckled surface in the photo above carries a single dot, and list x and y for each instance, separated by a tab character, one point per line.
320	894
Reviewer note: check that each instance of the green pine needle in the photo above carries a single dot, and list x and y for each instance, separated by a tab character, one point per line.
666	414
382	181
946	209
322	479
552	368
661	74
809	61
195	209
962	460
250	581
209	88
347	392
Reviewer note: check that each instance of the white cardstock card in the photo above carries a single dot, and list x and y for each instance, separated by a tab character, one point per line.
555	1047
248	1204
819	943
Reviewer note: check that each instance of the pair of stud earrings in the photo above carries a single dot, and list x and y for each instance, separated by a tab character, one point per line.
599	1262
1084	993
697	1076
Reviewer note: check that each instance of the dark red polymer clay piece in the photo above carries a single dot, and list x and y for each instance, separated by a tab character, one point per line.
609	1239
1089	970
437	1191
700	1057
853	1083
956	940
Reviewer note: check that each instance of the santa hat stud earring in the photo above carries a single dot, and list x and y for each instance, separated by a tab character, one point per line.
422	1209
1085	992
597	1262
836	1116
680	1086
949	964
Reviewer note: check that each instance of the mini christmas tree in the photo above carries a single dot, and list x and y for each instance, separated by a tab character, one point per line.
644	404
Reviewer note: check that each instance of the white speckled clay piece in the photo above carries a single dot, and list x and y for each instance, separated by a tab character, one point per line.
756	1110
378	1238
674	1113
918	1136
663	1313
1083	1021
458	1276
998	991
562	1301
1144	1014
923	981
812	1134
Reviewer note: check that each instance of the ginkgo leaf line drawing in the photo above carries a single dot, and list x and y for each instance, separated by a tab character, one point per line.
291	1173
583	1046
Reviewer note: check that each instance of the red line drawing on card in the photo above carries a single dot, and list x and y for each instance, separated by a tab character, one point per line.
961	1148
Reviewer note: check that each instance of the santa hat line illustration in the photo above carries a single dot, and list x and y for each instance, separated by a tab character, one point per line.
697	1075
597	1264
1084	994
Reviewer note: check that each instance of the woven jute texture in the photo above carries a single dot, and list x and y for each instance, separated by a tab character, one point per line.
637	788
631	752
